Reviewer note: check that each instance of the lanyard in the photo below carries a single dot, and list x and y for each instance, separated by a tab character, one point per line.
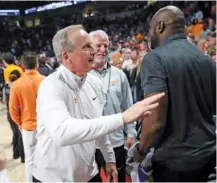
107	83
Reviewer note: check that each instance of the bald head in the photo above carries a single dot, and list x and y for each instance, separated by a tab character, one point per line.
167	21
170	16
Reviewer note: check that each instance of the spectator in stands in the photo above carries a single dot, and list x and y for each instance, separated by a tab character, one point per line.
118	99
133	66
206	30
213	10
212	52
17	142
39	38
116	60
139	91
202	45
135	78
211	24
55	65
8	60
126	58
143	46
22	107
199	15
211	39
2	81
198	28
43	67
135	58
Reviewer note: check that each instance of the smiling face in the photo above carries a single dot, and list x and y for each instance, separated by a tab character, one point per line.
134	55
79	60
101	44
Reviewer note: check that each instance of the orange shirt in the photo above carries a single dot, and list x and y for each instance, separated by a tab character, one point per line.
22	102
198	29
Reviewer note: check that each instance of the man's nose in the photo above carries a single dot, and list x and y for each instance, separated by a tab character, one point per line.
93	50
102	48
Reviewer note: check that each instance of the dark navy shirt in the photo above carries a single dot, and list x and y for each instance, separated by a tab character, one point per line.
189	77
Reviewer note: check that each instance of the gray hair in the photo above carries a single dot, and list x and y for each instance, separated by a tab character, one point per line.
61	42
98	33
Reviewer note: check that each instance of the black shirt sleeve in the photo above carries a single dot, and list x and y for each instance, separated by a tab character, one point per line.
153	74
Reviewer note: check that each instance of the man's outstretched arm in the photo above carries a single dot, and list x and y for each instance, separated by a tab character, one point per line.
154	81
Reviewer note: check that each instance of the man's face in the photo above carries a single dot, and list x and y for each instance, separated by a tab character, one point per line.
134	55
142	54
211	41
101	44
153	36
80	59
118	65
127	54
201	45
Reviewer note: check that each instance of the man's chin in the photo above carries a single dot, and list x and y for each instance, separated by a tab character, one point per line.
99	61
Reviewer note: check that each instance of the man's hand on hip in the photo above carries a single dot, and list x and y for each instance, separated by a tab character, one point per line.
111	172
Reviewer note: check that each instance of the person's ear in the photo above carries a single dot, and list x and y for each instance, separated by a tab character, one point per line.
65	57
160	27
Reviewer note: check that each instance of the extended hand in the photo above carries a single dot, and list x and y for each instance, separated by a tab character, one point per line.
141	109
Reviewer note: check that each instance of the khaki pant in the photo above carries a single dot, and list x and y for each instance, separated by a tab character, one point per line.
29	143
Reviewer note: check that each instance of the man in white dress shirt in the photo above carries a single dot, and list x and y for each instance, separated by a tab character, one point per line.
69	115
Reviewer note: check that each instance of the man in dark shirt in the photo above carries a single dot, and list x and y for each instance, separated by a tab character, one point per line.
43	68
182	128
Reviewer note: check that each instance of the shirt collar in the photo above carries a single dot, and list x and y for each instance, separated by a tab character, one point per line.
105	66
30	72
73	81
174	37
105	69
